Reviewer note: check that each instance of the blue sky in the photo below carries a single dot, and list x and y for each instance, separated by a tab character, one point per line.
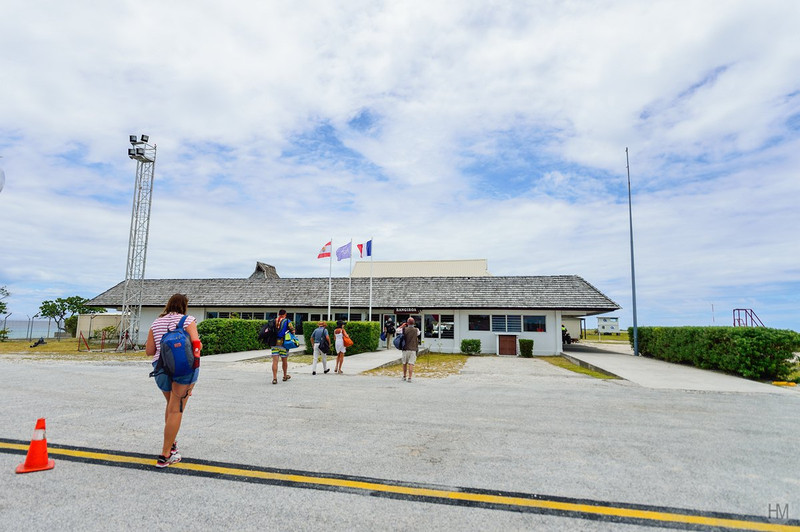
443	130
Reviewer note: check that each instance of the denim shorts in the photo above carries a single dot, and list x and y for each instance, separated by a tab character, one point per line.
164	381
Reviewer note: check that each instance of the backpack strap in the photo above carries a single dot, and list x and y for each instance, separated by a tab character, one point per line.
180	323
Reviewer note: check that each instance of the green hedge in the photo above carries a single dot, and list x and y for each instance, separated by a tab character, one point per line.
365	336
752	352
471	347
223	335
525	348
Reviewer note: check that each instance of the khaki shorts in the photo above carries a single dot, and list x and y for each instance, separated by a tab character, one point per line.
409	357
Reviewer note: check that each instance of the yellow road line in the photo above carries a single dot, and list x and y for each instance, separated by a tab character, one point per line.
432	493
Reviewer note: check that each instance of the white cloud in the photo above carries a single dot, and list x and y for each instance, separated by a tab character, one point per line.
488	131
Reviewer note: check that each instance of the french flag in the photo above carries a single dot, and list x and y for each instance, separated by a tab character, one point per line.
325	251
368	247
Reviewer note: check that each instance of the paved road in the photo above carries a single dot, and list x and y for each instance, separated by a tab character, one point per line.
505	424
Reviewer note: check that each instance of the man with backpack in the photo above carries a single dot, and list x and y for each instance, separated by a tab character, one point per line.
322	346
282	326
388	330
410	347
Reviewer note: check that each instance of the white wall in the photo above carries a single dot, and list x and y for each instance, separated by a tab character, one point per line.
544	343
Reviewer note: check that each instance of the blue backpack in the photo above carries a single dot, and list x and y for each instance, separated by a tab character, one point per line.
177	356
400	340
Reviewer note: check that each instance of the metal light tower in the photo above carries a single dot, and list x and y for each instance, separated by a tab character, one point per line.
145	156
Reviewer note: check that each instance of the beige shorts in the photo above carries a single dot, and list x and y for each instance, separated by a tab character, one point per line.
409	357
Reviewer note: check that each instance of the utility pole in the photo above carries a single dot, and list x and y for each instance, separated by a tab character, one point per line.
145	156
633	269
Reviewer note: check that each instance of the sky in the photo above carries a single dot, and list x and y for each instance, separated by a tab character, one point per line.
442	130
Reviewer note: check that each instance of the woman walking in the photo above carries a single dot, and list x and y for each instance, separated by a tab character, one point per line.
178	389
339	335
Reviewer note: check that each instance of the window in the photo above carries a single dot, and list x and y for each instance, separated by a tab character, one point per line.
316	317
299	318
224	314
478	322
534	323
447	326
431	326
354	316
498	323
247	315
210	315
511	323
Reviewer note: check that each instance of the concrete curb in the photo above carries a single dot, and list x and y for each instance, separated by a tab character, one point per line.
592	367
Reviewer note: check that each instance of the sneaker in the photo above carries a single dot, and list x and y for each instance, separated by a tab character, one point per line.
327	370
313	372
163	461
173	453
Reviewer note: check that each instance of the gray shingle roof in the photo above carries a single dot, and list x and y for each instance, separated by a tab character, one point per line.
560	292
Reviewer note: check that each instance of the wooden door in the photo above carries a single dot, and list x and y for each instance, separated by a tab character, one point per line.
508	345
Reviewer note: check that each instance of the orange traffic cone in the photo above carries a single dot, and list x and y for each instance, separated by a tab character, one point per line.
37	453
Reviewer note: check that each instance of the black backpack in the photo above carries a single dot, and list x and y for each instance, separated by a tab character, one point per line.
325	344
268	334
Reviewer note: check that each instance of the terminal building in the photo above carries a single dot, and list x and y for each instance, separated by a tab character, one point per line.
450	301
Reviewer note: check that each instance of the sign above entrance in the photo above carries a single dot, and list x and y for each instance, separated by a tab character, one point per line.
406	310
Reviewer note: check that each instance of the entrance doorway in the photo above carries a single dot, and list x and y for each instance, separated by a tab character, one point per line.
402	318
507	344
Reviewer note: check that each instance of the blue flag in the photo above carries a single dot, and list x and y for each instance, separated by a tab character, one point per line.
344	251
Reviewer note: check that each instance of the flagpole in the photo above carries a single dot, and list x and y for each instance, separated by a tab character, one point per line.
370	279
349	279
330	274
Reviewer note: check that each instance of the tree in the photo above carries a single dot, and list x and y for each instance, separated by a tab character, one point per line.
63	308
3	294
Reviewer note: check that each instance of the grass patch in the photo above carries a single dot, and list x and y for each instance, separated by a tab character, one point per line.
562	362
610	338
428	366
66	349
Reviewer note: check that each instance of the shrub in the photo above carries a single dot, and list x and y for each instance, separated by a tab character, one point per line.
751	352
110	332
220	335
525	348
470	347
365	336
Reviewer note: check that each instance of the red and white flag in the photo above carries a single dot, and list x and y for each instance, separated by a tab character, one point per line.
325	251
368	250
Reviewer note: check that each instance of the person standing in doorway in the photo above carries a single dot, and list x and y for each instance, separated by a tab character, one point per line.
282	325
316	337
178	389
411	334
339	335
389	330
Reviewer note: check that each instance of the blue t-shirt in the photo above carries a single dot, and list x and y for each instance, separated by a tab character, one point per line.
318	334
